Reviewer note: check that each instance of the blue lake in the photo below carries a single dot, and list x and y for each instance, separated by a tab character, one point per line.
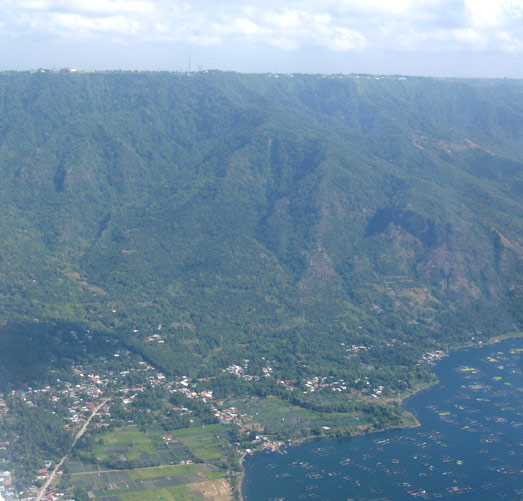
469	444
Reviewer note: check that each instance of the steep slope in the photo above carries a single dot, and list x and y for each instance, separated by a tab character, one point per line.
252	216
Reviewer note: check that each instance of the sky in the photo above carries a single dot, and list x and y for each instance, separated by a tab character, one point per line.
447	38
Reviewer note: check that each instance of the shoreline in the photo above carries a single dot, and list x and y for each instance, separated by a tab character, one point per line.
276	446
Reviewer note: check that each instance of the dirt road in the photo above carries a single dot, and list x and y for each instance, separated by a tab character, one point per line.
43	490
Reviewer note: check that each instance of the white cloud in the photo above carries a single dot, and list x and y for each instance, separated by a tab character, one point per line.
469	36
411	9
510	43
287	20
489	13
100	7
75	23
337	25
344	39
283	43
246	27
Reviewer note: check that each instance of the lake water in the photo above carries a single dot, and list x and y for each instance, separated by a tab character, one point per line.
469	444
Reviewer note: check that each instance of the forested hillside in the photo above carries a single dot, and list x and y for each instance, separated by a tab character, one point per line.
263	217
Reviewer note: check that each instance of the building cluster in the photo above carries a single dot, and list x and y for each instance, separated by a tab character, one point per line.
242	370
121	377
316	383
53	70
353	350
432	357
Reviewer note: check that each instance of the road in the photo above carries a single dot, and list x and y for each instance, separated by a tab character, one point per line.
43	490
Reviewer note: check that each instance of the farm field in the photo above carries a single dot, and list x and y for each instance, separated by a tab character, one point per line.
171	482
132	447
182	465
277	416
205	443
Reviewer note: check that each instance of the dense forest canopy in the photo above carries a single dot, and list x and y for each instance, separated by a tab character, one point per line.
263	217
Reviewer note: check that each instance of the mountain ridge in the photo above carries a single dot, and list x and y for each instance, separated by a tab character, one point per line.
277	216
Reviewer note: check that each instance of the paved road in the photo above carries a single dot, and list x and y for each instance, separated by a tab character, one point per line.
43	490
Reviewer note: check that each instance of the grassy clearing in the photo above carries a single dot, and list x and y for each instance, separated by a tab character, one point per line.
162	471
123	437
129	441
206	453
215	475
210	430
174	493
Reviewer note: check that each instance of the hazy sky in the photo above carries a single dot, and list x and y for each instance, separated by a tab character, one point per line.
417	37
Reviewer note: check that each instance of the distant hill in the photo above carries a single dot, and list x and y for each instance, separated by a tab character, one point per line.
249	216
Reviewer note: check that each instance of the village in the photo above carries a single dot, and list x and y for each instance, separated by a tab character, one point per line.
118	380
84	390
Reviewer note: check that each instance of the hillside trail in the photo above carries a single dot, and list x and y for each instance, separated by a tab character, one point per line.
43	490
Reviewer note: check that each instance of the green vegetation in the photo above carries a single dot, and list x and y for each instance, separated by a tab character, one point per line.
252	216
131	447
36	432
203	442
144	484
131	439
295	243
115	464
215	475
163	471
280	420
175	493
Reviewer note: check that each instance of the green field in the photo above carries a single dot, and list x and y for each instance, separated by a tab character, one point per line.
129	441
202	441
148	448
278	416
174	493
209	430
138	480
144	483
163	471
215	475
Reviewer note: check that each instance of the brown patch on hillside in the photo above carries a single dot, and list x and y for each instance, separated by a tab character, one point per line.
466	145
507	243
416	140
454	265
320	270
81	281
